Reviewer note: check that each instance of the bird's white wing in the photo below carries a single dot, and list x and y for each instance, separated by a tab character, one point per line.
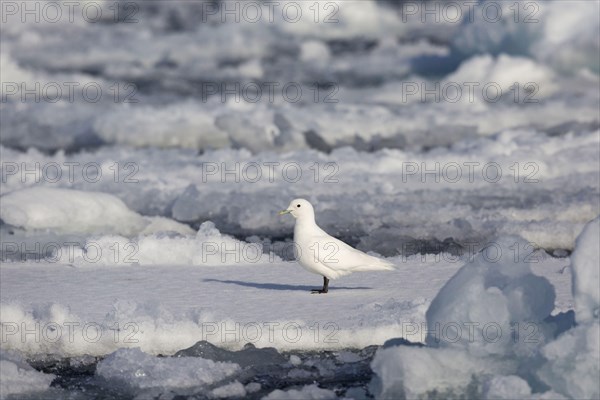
342	258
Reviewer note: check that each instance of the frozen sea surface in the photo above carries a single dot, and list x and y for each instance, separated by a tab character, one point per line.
85	316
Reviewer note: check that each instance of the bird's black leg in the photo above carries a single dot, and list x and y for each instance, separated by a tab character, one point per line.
325	287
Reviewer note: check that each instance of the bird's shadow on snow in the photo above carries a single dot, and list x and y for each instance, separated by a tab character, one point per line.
280	286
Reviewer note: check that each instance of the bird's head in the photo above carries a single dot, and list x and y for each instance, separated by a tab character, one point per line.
299	208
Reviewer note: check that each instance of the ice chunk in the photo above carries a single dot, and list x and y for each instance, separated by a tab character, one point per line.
314	51
506	387
569	38
295	360
133	369
573	367
253	387
505	71
19	378
415	371
480	307
234	389
491	317
307	392
248	356
586	273
68	210
75	211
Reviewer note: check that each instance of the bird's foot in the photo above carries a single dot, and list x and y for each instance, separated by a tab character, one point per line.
318	291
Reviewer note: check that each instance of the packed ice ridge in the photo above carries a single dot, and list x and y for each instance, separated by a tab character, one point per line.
560	361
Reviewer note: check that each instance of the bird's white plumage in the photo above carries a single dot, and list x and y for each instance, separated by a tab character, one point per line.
321	253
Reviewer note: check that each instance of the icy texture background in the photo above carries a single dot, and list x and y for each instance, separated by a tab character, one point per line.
162	211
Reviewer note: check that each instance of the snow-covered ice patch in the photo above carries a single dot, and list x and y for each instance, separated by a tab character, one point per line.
207	248
75	211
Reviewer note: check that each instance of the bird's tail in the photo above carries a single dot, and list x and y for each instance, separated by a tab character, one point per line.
376	264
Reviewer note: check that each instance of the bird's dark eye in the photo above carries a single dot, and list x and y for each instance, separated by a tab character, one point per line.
298	205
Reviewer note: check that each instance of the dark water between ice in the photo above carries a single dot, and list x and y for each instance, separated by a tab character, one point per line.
346	372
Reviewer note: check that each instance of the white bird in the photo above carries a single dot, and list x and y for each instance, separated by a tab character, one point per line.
321	253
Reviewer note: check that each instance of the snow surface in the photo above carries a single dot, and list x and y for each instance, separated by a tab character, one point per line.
210	300
164	309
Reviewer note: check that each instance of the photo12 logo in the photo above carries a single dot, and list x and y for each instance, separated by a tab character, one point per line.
269	171
71	92
69	332
271	332
472	332
68	252
270	92
469	172
462	251
53	12
253	12
469	92
455	12
68	172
